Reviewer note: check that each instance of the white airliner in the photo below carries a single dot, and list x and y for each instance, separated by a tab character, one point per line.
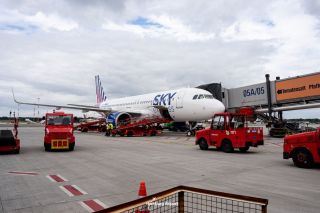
185	104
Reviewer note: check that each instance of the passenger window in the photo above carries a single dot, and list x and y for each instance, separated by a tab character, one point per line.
200	97
195	97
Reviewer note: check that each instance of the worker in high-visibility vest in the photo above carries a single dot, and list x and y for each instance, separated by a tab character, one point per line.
109	128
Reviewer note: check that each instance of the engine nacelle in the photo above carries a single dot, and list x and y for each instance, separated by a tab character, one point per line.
117	118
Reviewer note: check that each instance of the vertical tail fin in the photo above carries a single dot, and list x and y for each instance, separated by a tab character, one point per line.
99	90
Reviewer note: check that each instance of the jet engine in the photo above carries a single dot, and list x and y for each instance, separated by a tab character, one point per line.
119	118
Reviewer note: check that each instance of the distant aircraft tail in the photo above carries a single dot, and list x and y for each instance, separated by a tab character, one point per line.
99	91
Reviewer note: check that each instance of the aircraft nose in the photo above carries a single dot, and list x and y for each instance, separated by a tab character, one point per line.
217	107
220	106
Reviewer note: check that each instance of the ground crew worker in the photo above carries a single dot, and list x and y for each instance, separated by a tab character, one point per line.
109	128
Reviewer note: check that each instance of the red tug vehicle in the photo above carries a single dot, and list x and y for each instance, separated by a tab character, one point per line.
59	132
303	148
229	131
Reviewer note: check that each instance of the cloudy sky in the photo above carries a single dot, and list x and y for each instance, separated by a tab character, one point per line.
52	49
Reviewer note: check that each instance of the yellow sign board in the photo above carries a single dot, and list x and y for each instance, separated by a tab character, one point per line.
59	144
300	87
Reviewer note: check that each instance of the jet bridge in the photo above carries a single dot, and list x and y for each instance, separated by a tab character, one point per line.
271	98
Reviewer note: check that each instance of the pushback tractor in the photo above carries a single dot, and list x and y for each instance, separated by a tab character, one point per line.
303	148
59	132
229	131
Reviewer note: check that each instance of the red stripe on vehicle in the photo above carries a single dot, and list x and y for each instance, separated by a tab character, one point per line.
23	173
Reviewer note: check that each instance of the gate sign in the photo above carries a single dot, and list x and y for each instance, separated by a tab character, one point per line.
248	96
299	87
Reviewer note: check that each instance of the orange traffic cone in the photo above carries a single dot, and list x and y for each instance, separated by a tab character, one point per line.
142	189
142	193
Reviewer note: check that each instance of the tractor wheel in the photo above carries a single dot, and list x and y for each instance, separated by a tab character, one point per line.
203	144
244	149
189	133
227	146
302	158
47	147
71	147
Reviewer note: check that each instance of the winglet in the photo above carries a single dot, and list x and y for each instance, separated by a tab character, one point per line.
14	98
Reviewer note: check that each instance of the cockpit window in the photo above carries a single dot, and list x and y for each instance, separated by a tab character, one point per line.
201	96
208	96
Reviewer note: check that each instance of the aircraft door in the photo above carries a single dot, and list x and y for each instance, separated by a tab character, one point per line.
179	99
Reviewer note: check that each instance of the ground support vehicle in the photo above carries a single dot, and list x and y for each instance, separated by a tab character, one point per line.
59	132
9	141
229	131
192	131
303	148
144	127
95	125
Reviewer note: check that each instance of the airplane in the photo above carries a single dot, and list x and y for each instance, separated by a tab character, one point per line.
185	104
33	122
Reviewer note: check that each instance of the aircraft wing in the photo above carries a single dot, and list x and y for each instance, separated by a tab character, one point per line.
80	105
77	107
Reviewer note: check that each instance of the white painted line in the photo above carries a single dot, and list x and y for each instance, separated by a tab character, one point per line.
66	191
63	178
48	176
80	190
100	203
86	207
55	180
93	205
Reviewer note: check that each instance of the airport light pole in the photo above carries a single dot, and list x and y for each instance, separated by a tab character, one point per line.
38	107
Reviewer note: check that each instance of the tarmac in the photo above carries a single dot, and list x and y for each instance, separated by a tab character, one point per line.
108	170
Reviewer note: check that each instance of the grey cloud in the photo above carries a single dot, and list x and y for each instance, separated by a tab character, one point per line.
59	67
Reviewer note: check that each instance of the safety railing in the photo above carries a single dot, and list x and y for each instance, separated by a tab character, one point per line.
183	199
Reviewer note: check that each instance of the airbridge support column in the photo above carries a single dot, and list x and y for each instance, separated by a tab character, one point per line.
269	96
280	114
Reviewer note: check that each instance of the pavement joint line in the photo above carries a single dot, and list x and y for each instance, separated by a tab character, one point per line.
23	173
93	205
